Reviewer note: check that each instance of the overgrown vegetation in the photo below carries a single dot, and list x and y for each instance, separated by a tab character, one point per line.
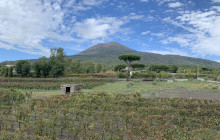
51	83
107	116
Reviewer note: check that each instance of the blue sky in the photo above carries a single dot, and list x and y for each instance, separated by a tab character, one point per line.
29	28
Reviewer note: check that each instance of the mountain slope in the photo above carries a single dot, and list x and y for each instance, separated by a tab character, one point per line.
108	54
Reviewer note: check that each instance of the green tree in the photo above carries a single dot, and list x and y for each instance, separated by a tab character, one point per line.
173	68
89	67
137	65
128	58
26	69
36	67
158	68
57	62
10	72
76	67
44	67
98	68
4	71
119	67
41	68
23	67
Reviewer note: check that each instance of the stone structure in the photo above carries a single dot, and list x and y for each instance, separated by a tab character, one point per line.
70	88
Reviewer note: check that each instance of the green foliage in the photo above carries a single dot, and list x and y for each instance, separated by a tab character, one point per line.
158	68
121	75
130	84
51	83
76	66
5	71
98	68
173	68
23	67
128	58
89	67
163	74
119	67
57	62
10	72
137	65
107	116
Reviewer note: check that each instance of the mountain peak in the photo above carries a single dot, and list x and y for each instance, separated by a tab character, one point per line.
111	45
107	48
107	53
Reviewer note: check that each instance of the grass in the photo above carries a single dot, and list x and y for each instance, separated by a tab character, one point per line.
146	89
41	93
186	89
138	86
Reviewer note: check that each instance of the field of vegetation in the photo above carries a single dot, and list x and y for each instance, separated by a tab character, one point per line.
107	116
108	109
51	83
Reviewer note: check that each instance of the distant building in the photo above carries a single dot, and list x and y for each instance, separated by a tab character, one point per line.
70	88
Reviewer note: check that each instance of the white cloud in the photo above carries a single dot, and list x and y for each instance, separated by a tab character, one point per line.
103	27
25	23
145	33
170	51
97	28
204	32
175	5
216	1
144	0
158	34
163	1
215	8
93	2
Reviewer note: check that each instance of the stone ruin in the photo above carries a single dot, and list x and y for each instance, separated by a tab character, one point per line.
70	88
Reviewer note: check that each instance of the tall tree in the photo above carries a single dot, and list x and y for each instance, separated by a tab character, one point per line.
10	71
128	58
41	68
98	68
23	67
57	62
76	67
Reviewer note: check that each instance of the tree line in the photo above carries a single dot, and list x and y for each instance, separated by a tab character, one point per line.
58	65
55	66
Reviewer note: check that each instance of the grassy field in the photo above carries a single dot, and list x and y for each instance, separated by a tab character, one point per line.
185	89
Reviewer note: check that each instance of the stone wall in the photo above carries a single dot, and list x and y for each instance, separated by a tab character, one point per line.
73	88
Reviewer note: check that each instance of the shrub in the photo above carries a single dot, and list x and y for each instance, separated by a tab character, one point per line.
136	75
163	74
121	75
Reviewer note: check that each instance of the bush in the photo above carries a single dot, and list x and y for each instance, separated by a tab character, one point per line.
215	88
136	75
121	75
130	84
154	83
163	74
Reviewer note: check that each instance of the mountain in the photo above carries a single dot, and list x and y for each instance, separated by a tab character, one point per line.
107	53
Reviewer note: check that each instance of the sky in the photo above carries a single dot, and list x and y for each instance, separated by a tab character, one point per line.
30	28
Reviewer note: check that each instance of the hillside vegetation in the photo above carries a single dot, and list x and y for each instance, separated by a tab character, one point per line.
108	54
